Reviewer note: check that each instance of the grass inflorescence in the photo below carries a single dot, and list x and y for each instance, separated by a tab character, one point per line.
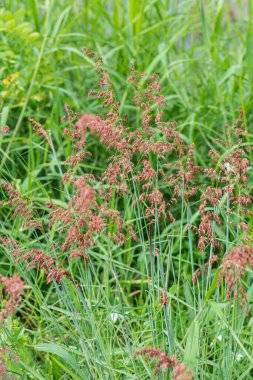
126	191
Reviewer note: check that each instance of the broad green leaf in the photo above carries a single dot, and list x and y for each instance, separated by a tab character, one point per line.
58	350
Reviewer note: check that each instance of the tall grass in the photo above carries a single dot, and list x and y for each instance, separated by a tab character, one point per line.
139	294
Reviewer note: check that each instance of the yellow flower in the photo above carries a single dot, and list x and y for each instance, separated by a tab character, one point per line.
6	81
11	78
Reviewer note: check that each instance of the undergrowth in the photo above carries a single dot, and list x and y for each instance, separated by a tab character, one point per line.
126	223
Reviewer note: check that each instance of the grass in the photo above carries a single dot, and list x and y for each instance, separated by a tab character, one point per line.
202	51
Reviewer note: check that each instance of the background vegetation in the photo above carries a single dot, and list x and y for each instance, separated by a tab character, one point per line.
203	53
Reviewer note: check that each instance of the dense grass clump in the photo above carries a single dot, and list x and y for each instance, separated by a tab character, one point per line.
126	193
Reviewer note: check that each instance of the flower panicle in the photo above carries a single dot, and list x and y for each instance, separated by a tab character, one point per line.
13	288
179	370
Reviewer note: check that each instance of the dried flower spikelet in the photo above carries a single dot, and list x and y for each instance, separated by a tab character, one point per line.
164	298
165	363
39	259
198	272
39	129
20	205
5	130
233	269
206	230
231	177
13	288
157	252
127	142
181	372
36	258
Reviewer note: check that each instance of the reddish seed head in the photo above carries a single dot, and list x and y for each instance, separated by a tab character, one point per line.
164	298
164	362
5	130
13	288
181	372
233	269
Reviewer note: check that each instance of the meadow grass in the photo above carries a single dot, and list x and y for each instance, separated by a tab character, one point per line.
202	51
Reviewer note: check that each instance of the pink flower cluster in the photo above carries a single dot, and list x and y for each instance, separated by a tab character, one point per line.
127	143
22	207
38	128
233	269
36	258
5	130
13	288
151	165
231	176
179	370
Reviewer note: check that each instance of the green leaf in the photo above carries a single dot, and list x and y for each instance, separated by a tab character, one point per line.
192	345
213	286
58	350
217	309
4	116
233	70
